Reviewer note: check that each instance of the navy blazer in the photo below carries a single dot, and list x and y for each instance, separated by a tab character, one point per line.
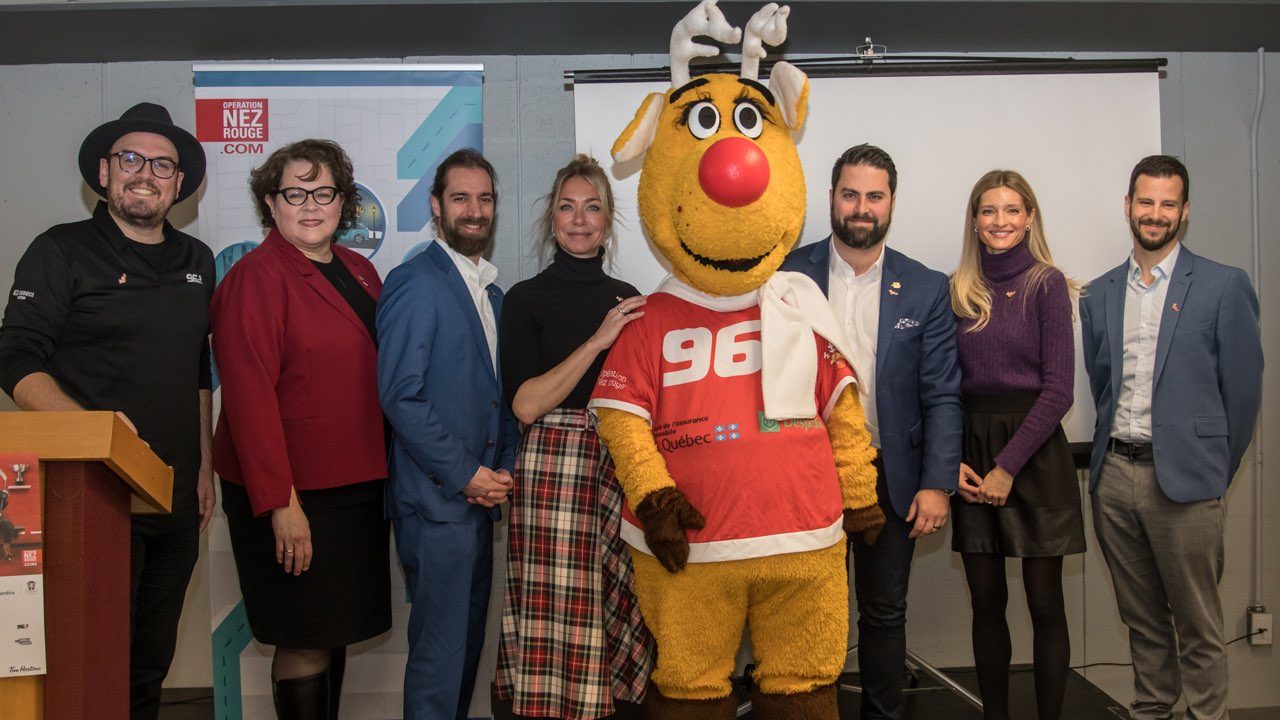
918	405
438	388
1207	385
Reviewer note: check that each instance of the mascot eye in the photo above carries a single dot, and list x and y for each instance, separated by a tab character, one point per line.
747	117
703	120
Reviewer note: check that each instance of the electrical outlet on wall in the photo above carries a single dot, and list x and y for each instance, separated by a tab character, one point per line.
1259	626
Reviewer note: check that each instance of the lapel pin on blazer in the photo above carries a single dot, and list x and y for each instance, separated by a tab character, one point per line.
894	287
1174	307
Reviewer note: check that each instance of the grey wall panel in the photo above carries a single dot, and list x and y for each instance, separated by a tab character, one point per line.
45	113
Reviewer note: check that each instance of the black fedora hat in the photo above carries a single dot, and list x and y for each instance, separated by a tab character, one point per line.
149	118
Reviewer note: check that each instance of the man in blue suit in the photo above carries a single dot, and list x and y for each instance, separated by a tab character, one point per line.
897	315
454	438
1174	356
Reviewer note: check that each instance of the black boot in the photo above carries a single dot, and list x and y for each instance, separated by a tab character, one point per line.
623	710
304	698
500	708
337	665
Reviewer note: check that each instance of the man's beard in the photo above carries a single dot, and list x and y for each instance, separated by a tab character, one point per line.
138	212
856	237
1170	233
465	242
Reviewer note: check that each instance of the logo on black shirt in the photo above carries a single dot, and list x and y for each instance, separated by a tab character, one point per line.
195	278
23	294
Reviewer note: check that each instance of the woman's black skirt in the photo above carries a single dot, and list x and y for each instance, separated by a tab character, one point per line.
345	596
1042	517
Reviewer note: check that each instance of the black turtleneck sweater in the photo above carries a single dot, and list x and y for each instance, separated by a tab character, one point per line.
548	316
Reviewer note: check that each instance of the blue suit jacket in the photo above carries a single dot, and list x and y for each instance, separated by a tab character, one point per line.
917	372
1207	385
438	389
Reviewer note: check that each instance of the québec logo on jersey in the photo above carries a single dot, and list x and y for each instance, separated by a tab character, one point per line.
241	125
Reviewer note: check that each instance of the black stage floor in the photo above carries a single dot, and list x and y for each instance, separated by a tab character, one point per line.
926	700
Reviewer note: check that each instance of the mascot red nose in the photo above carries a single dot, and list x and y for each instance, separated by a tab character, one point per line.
734	172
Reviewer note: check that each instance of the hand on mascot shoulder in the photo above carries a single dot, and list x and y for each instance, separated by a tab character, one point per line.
865	523
666	515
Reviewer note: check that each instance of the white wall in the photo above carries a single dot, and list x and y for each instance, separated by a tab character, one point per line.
1206	106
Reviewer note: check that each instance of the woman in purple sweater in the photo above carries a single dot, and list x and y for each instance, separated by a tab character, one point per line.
1017	495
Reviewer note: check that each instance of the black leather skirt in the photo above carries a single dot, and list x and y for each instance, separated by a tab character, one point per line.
1043	516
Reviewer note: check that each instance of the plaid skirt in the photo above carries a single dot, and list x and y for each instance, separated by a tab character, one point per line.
572	637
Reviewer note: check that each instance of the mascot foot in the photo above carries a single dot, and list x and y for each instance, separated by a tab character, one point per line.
660	707
817	704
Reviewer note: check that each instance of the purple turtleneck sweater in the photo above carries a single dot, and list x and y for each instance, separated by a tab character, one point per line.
1026	347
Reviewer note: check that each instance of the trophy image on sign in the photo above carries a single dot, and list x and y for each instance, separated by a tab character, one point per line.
19	469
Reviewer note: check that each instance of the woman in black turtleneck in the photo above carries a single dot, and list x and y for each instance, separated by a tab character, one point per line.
573	643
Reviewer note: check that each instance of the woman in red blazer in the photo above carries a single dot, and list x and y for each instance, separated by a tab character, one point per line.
300	443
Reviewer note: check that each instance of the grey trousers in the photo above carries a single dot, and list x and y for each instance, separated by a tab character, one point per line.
1166	561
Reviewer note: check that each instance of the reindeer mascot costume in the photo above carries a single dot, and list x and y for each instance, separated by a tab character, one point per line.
739	443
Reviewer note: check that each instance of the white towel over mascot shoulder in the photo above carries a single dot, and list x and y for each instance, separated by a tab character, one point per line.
728	408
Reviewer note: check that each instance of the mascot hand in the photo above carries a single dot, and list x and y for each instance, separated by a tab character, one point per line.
666	514
864	522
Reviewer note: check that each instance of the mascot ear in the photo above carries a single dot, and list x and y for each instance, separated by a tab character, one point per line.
640	131
791	86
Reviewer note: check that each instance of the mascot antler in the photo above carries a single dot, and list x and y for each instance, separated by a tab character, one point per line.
767	26
704	20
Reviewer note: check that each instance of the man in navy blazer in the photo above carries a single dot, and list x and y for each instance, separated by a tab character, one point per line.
454	438
1174	356
897	314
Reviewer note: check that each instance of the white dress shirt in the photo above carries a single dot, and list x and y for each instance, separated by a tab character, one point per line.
478	276
1143	306
855	299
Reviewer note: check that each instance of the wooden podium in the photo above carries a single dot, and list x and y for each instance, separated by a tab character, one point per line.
95	472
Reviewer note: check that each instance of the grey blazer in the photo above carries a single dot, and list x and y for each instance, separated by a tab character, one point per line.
1208	374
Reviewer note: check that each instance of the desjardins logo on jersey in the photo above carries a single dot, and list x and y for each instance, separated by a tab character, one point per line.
768	425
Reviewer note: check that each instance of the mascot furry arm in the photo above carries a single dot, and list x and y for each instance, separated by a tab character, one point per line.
851	444
651	492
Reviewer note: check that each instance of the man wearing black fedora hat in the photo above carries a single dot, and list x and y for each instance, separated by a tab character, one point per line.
112	313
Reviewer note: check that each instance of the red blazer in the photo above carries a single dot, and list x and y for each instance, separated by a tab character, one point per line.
299	377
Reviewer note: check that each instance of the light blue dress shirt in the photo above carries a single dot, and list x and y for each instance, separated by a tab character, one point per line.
1143	306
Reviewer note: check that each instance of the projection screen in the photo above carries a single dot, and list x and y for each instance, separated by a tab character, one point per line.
1074	136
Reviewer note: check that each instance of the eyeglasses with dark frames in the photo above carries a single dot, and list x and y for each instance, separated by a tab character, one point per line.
323	195
132	162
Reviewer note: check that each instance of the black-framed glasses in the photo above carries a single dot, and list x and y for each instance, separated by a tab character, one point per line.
132	162
323	195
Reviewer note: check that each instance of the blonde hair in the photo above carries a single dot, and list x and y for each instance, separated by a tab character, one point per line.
970	291
585	167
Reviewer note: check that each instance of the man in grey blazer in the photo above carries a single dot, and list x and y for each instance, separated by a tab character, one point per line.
1174	356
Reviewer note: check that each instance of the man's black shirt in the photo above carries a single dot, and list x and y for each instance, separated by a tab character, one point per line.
120	325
